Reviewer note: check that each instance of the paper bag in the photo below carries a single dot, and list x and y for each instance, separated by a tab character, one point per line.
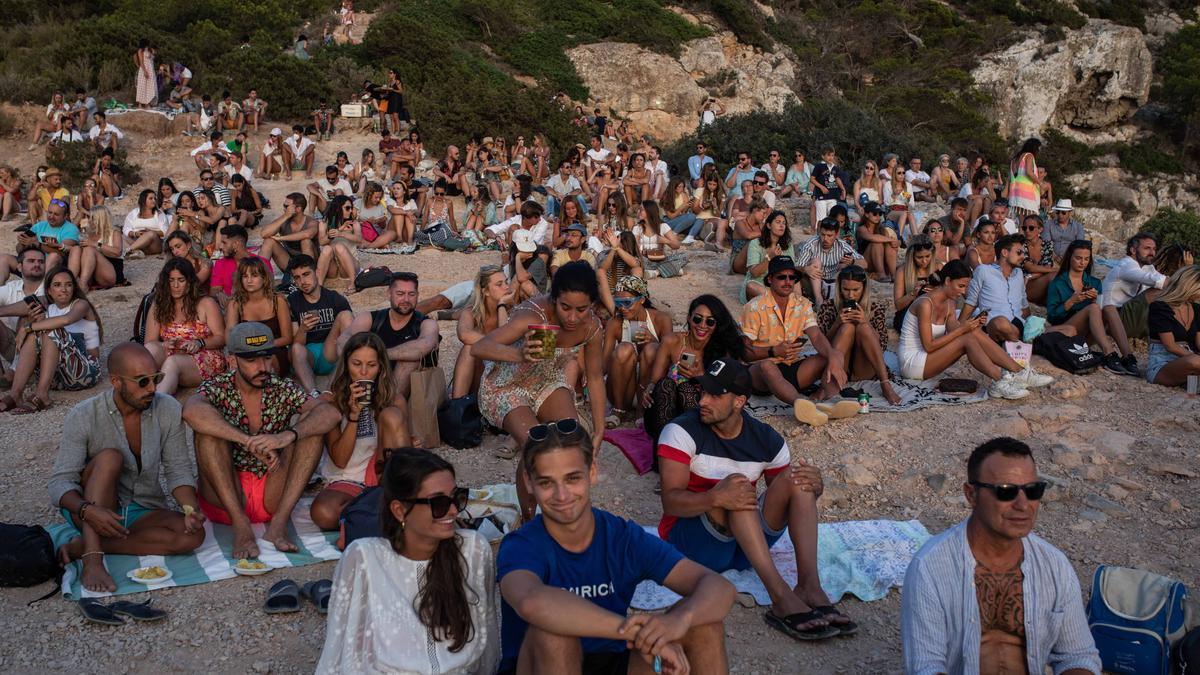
428	390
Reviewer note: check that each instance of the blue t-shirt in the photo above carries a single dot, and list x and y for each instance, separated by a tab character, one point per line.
63	232
735	192
621	556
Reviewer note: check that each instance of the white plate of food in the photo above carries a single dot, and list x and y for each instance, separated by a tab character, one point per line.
153	574
251	568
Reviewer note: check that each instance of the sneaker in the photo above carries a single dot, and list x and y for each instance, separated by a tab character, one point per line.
689	240
1131	365
1112	363
1007	387
1032	379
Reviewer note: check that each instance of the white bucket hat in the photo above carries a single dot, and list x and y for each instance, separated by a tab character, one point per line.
1063	205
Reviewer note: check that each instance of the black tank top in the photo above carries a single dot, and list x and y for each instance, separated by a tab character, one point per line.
381	325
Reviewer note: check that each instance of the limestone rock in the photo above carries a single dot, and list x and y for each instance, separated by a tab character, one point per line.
1065	456
1105	504
1086	84
857	474
1168	469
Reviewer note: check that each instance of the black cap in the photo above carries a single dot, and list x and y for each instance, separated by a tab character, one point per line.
726	376
780	263
874	207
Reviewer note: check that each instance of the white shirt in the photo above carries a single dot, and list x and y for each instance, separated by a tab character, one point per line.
269	148
245	172
562	187
61	136
342	184
14	291
650	241
158	221
598	156
1009	225
373	626
1128	279
910	176
109	129
298	148
206	146
541	231
772	180
660	168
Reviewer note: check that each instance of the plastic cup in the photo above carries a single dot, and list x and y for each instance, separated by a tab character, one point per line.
547	334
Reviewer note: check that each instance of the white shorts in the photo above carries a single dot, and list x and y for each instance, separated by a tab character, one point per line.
823	206
459	294
912	364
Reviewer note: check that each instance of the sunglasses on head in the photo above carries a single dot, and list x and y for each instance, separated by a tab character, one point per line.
565	427
1007	492
709	321
58	202
625	302
439	505
142	381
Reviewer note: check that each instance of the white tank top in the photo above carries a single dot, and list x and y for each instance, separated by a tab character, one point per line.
910	333
85	327
365	442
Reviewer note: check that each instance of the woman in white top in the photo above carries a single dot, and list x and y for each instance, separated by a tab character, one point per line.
53	120
421	598
653	246
271	164
362	391
60	344
932	339
99	259
363	171
145	227
868	187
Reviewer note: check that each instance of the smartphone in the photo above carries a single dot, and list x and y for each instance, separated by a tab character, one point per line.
850	304
687	359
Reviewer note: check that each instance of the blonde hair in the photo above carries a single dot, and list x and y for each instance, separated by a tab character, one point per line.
864	303
1183	286
908	268
479	303
101	219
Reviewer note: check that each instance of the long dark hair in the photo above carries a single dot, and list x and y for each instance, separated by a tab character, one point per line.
333	212
955	269
1064	268
164	305
785	241
442	603
76	293
726	339
339	384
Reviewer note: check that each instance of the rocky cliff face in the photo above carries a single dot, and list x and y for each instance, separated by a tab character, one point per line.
661	94
1087	85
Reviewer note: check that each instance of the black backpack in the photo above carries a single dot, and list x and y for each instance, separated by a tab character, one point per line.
1187	653
460	423
360	517
1067	353
26	556
139	318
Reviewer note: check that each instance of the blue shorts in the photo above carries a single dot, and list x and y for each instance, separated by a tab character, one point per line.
130	514
700	540
319	366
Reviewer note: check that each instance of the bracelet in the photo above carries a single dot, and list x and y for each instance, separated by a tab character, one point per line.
352	419
83	509
91	553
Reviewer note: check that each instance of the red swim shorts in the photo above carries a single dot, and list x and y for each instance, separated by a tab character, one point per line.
254	488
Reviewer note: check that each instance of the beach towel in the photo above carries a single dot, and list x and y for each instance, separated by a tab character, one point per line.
635	444
863	558
211	562
913	396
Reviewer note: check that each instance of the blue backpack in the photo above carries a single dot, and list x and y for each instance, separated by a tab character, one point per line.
1135	616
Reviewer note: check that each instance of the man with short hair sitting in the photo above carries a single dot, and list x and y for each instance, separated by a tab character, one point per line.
411	337
561	187
291	234
529	217
574	248
233	249
254	461
106	474
67	132
319	316
998	290
298	149
830	254
988	595
1126	283
568	575
104	134
55	235
323	191
201	153
710	459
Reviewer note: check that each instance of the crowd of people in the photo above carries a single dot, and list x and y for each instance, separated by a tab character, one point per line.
561	340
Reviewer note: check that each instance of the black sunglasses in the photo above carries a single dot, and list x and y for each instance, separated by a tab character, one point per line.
144	380
1006	492
785	277
565	427
439	505
760	182
705	320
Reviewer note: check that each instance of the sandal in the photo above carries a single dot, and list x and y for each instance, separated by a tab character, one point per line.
97	612
506	451
7	403
34	405
138	611
283	598
846	626
789	625
318	592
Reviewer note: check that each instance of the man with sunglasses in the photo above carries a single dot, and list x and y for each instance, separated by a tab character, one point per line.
55	235
567	577
834	254
776	171
988	595
254	461
741	172
696	164
321	192
761	188
561	187
775	327
209	182
106	474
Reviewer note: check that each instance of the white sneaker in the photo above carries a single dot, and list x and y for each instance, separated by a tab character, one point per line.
1007	387
1032	379
689	240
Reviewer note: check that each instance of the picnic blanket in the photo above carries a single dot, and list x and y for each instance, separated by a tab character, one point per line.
213	561
863	558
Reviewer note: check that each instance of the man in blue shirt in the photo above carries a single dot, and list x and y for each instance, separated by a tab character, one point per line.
998	290
55	235
568	575
696	163
743	171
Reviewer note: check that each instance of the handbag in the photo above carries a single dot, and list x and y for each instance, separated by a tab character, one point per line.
460	422
372	277
427	391
26	556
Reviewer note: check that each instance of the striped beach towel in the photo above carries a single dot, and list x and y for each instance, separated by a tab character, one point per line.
213	561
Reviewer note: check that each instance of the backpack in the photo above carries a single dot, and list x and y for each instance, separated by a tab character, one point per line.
1067	353
360	517
372	277
460	423
1135	616
1187	654
26	556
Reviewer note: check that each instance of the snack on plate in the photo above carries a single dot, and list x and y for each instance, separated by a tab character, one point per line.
154	572
245	564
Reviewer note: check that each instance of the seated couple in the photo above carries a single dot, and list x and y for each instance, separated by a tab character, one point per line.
423	599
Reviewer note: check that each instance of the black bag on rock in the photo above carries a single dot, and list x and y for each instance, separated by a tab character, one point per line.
372	277
460	423
1068	353
26	556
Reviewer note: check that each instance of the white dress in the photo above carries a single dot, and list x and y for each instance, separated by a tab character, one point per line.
911	352
373	626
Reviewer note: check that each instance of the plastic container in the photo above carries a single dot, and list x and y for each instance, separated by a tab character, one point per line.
547	334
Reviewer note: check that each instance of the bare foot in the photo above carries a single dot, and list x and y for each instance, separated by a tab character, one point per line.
244	543
70	551
890	394
95	577
277	535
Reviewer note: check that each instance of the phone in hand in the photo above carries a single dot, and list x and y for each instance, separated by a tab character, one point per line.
850	305
687	360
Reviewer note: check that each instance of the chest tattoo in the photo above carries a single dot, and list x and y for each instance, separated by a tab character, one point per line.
1001	603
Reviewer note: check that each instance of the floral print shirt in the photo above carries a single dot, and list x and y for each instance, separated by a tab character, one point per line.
281	399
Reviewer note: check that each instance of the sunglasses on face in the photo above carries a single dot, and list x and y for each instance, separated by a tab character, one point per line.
708	321
565	427
624	303
934	229
786	277
760	182
1007	492
142	381
439	505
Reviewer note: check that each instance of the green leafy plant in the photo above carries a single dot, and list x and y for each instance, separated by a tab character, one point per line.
76	161
1171	226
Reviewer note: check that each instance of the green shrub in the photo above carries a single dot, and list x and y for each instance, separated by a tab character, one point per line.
1148	158
76	161
292	87
1063	156
1125	12
1179	67
1171	226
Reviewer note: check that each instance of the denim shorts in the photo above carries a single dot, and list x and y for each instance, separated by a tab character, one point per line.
1159	357
701	541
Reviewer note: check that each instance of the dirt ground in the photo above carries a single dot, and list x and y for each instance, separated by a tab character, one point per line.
1121	453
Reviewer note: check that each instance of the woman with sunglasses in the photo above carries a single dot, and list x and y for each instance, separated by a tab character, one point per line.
857	328
943	252
775	240
374	219
60	343
1039	266
521	386
439	208
798	176
422	597
254	299
631	342
983	246
185	330
868	187
491	300
932	339
362	391
1073	300
913	276
710	334
339	241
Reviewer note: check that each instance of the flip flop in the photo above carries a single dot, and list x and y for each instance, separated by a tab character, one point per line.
34	405
138	611
283	598
807	413
97	612
848	627
506	451
788	625
839	410
318	591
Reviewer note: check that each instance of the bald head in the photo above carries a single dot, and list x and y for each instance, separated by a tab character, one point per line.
129	359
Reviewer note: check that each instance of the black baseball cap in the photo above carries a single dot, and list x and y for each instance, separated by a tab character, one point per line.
780	263
726	376
874	207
